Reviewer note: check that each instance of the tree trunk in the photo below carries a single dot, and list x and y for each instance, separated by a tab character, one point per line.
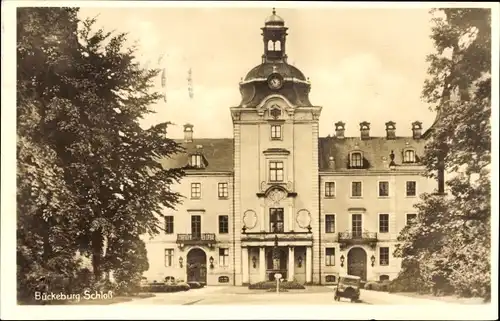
97	241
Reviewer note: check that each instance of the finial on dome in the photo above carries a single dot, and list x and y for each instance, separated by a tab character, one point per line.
274	10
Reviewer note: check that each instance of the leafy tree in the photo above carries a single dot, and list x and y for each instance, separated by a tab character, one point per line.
450	244
81	97
46	222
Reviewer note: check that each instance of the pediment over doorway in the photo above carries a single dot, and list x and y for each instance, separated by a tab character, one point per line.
276	193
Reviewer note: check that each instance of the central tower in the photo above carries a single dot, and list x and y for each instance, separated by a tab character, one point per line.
275	168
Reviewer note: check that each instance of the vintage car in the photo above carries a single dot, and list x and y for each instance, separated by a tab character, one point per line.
347	287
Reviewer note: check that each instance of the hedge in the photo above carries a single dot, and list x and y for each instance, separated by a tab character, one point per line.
266	285
162	287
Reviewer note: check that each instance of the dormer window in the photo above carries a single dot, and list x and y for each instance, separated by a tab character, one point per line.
196	161
356	160
409	156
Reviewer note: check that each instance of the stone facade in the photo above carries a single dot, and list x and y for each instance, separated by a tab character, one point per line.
277	198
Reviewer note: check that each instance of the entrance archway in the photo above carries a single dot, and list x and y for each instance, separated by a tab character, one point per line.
196	266
356	262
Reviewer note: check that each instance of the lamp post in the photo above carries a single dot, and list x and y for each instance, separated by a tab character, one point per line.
180	261
211	262
373	260
342	260
276	259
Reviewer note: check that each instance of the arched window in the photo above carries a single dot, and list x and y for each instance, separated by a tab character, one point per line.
384	277
409	156
270	45
277	45
356	160
330	278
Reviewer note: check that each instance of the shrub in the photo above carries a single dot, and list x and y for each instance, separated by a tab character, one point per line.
265	285
162	287
369	285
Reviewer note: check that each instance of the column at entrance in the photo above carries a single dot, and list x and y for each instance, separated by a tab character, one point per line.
262	264
291	263
308	264
244	262
290	218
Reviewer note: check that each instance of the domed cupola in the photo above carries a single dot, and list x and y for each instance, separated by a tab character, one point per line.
274	75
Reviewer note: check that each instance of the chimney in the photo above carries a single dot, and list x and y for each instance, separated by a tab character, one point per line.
188	133
390	128
339	129
416	127
365	130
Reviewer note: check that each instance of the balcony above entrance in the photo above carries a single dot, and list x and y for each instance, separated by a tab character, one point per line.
357	238
284	238
203	239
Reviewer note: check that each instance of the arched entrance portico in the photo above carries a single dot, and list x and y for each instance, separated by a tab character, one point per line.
196	266
356	262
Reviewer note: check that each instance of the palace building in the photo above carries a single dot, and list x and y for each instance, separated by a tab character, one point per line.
277	198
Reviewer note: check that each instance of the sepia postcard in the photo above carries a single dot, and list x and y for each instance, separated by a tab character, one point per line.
249	160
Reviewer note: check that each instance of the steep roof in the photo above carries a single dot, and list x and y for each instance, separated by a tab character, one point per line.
376	151
218	153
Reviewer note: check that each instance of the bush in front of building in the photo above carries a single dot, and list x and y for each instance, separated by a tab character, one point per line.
378	286
157	287
266	285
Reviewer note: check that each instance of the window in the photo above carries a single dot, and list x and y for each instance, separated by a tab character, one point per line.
329	189
356	160
270	45
356	189
411	188
357	225
223	257
329	223
223	279
383	189
383	223
169	257
196	227
223	190
330	256
169	224
276	220
276	171
383	277
330	278
277	45
409	156
410	218
195	190
196	161
275	132
384	256
223	224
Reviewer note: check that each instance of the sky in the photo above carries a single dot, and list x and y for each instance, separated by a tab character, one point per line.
363	64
